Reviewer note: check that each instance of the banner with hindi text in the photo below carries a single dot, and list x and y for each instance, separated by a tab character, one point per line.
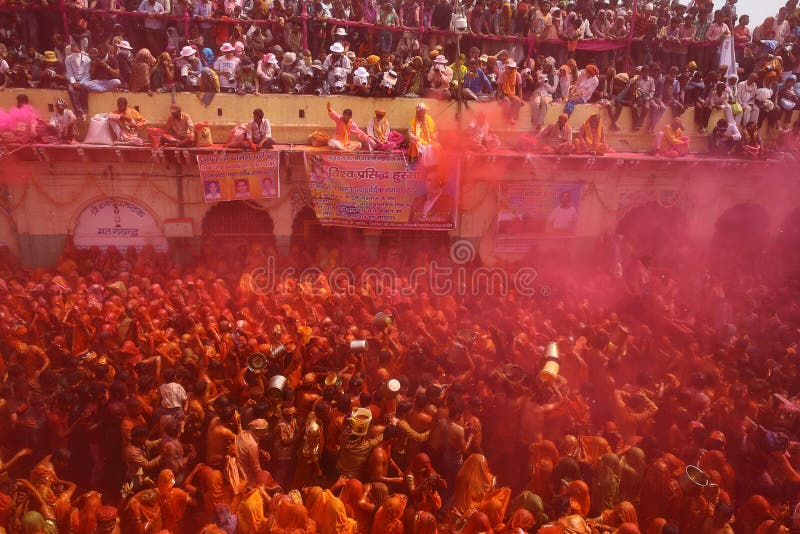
379	190
239	175
538	209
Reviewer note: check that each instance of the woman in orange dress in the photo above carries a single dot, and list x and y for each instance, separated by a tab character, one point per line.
388	518
328	512
543	459
579	499
355	497
172	501
291	517
473	482
494	505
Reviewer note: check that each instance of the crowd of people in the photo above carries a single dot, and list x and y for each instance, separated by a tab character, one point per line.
651	57
139	396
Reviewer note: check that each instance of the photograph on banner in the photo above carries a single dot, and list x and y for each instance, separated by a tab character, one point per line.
383	190
538	209
239	175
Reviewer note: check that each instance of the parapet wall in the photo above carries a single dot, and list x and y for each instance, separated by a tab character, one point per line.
294	117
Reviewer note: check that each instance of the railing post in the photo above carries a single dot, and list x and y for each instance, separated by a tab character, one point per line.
62	7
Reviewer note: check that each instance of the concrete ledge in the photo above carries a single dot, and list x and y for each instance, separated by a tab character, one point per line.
294	117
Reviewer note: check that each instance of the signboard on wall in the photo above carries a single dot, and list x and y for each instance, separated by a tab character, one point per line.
379	190
538	209
239	175
118	222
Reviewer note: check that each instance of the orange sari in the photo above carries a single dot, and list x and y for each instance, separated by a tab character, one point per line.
494	505
578	493
388	519
250	514
473	482
543	459
328	512
291	518
171	500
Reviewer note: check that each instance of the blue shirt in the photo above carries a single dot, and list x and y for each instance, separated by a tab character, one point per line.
477	82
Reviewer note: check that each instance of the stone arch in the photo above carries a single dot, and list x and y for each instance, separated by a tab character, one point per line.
653	229
741	237
309	235
788	241
118	221
238	223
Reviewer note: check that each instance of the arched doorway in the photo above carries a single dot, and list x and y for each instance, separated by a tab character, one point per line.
740	237
788	242
315	243
118	222
653	230
238	223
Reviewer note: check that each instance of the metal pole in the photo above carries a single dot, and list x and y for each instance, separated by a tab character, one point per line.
634	14
460	78
62	7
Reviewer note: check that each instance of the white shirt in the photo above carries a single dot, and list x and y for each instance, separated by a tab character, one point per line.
257	132
586	85
77	66
429	202
563	219
227	70
61	121
156	9
746	92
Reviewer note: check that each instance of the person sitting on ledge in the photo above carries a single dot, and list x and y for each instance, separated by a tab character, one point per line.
381	136
259	133
724	138
556	139
583	89
671	142
480	138
422	133
345	126
591	140
63	123
125	122
752	144
179	130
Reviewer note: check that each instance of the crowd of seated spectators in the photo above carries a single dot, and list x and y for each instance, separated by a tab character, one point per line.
648	57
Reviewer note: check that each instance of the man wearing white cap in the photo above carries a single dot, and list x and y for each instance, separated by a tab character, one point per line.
440	75
189	67
268	72
125	62
336	59
226	67
361	81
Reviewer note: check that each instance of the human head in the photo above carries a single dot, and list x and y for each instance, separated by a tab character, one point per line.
122	104
22	100
258	114
347	114
562	119
175	110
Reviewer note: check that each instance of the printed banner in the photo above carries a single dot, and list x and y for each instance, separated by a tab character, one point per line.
239	175
382	191
538	209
